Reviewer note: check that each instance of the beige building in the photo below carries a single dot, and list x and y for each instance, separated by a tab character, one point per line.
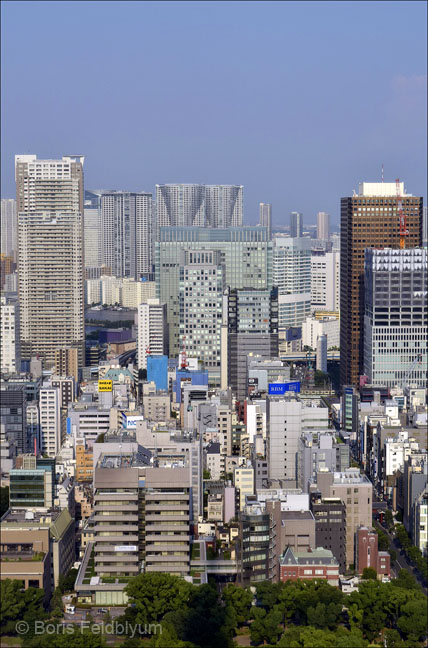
67	362
356	492
37	545
50	284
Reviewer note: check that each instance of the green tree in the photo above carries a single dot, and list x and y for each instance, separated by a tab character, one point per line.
268	593
369	573
383	542
257	628
413	619
240	599
66	583
16	604
405	580
389	518
313	638
56	603
155	594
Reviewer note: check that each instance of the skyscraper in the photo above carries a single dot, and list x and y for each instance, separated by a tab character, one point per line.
8	227
223	205
50	284
325	280
180	205
152	336
323	226
92	229
296	224
395	319
292	276
247	262
126	222
49	185
9	342
199	205
49	197
368	220
266	217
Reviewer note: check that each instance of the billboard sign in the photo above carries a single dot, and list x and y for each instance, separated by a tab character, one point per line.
105	385
282	388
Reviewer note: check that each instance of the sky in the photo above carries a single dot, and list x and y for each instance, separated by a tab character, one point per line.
297	101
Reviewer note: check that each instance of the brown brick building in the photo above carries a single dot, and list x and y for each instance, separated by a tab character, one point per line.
368	220
368	555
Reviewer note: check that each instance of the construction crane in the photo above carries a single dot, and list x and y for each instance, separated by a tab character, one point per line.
416	361
402	216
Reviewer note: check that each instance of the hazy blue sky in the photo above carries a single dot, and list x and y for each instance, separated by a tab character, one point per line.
296	101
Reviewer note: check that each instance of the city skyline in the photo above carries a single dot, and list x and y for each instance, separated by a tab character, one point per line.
306	132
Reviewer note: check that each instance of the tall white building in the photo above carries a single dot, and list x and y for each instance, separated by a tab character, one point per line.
9	341
395	316
92	229
265	210
8	227
152	335
312	328
325	280
50	420
292	276
50	284
202	284
287	418
49	185
126	233
323	226
322	353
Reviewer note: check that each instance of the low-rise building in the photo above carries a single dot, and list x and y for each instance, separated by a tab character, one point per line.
308	565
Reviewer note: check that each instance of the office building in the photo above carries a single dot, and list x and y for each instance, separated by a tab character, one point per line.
37	547
420	522
292	277
425	227
322	353
50	284
32	483
287	417
395	317
325	280
201	295
92	229
49	186
9	340
355	490
330	526
296	224
126	233
414	484
265	210
256	536
8	228
350	401
243	480
313	328
246	257
252	327
50	420
13	413
323	226
152	335
67	362
369	219
318	452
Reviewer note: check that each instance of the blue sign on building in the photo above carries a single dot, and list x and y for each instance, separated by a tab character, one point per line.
281	388
68	425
